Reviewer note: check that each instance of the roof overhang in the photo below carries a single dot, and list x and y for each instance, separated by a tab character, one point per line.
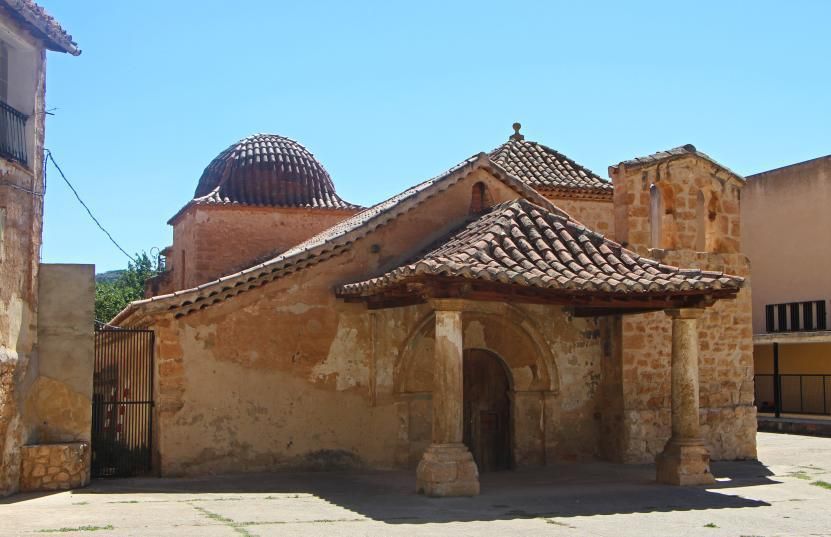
421	289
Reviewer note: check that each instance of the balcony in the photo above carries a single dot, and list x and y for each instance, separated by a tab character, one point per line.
13	134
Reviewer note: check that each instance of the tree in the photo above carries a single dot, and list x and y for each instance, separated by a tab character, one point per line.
113	296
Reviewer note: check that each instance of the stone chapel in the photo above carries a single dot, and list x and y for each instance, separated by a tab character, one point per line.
517	310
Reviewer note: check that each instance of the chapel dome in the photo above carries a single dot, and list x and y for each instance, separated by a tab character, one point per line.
268	170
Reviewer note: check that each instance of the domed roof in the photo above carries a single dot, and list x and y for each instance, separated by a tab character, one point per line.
268	170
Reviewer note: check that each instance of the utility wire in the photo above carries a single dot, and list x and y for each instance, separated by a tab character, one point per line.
72	188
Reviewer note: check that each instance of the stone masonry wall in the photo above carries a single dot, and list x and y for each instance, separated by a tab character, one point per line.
727	414
597	215
55	466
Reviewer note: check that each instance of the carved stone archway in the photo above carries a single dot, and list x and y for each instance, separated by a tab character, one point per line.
510	334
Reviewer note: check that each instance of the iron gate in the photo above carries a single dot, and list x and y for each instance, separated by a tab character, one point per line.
122	402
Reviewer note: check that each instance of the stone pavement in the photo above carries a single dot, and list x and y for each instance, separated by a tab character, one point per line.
780	495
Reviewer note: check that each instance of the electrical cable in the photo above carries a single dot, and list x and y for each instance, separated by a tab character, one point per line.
78	197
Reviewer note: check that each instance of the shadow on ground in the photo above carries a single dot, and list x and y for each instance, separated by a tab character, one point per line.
554	491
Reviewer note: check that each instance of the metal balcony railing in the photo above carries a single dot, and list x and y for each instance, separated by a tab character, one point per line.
795	394
13	134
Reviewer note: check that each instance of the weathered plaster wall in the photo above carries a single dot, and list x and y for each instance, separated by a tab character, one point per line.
58	403
727	414
786	217
288	376
213	241
21	220
554	364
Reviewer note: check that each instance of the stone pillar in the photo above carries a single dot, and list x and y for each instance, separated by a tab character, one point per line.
447	467
685	459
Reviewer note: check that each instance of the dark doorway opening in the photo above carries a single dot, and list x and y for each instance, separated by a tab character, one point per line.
487	410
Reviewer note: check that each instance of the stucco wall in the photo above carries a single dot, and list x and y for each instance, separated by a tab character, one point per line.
785	235
287	375
58	403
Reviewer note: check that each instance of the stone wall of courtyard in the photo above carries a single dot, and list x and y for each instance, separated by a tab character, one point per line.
55	466
700	228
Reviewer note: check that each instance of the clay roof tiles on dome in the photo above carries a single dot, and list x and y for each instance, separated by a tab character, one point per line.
43	25
544	168
267	170
518	242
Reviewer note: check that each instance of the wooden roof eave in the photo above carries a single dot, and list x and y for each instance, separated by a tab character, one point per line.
418	290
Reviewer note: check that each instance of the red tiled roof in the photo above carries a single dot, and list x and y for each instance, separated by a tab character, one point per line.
520	243
267	170
328	243
42	24
544	168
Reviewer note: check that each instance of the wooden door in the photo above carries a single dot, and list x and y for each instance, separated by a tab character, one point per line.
487	410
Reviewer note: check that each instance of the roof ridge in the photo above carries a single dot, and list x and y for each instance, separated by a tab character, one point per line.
343	233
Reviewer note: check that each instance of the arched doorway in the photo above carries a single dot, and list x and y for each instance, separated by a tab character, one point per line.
487	410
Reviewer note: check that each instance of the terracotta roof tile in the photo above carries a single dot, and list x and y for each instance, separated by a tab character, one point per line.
544	168
44	25
330	242
267	170
520	243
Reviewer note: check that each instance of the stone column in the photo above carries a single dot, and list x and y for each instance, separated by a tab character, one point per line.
447	467
685	459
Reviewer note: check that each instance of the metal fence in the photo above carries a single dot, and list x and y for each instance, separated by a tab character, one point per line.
13	134
796	394
122	402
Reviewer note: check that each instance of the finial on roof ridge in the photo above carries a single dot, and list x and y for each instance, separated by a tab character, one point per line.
516	135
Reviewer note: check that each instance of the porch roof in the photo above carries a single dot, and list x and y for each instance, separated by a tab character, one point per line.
522	252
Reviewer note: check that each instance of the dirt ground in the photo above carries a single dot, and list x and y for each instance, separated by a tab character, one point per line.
788	492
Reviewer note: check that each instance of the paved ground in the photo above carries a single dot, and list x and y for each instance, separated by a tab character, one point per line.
778	496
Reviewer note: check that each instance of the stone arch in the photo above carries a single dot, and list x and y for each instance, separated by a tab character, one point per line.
502	329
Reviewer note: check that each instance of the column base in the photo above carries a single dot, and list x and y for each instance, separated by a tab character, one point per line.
447	470
684	462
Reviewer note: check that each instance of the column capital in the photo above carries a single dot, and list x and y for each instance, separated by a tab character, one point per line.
449	304
685	313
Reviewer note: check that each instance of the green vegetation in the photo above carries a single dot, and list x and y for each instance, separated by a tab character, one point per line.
710	525
113	294
79	528
822	484
799	475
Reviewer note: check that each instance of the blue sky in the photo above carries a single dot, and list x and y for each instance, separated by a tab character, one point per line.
387	94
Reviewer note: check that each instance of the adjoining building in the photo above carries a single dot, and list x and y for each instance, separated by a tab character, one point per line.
517	310
786	222
46	343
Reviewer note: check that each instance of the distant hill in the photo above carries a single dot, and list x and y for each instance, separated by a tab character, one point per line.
109	276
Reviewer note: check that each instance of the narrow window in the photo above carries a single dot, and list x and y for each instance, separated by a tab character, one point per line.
656	215
822	323
4	72
782	317
807	315
182	271
769	318
794	307
701	223
480	198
